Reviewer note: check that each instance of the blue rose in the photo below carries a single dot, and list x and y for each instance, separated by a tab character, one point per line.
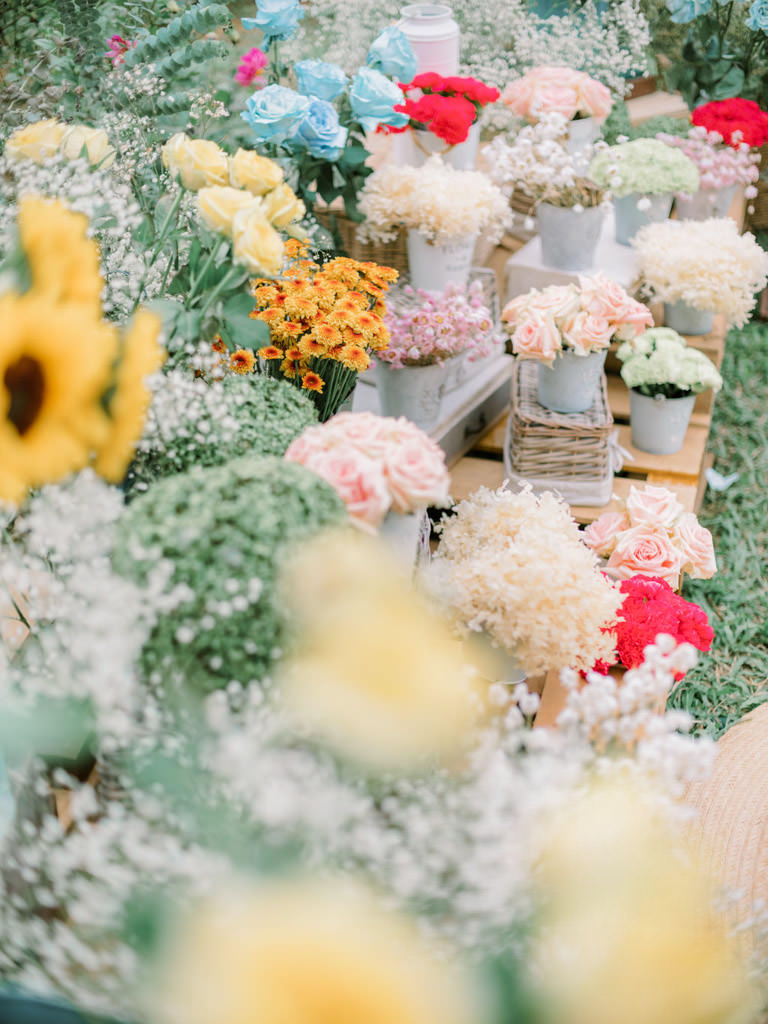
277	19
320	79
373	97
393	55
320	132
758	16
683	11
274	112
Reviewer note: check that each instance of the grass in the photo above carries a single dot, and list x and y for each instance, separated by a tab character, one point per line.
733	678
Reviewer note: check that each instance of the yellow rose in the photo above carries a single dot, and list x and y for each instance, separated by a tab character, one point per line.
37	141
196	162
218	204
281	206
95	140
257	245
253	172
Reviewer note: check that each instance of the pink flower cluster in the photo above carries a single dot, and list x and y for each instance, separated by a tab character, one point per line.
556	90
583	318
719	165
118	47
251	65
439	327
653	536
375	463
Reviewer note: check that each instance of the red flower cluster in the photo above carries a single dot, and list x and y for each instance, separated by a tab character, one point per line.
651	607
736	120
448	107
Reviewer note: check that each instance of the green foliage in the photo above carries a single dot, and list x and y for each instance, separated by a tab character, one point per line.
618	124
224	532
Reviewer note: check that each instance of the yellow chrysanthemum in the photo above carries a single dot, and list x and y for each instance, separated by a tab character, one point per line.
63	261
242	361
310	347
354	357
129	402
312	382
298	306
55	366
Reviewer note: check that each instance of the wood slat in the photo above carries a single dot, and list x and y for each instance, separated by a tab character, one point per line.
684	465
470	473
685	492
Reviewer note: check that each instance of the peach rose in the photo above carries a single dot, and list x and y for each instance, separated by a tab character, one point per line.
653	506
552	74
516	307
587	333
557	300
555	99
358	481
417	476
646	552
601	535
363	430
519	95
594	98
537	337
696	544
303	448
635	319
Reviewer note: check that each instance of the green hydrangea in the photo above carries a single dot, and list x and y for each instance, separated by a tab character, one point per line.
195	422
658	362
644	166
222	532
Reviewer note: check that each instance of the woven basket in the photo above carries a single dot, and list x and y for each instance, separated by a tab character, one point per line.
389	254
568	453
758	221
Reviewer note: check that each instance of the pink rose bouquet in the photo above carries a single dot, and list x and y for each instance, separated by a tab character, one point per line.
652	536
557	90
584	319
376	464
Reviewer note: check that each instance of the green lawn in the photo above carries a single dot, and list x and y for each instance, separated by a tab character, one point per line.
733	678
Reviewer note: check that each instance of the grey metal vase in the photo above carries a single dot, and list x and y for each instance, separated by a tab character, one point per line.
629	219
568	237
659	424
571	384
686	320
707	202
415	392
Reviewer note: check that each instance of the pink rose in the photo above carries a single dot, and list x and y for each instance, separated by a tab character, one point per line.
417	476
308	444
635	318
518	96
696	544
516	307
653	506
557	300
550	74
594	98
537	337
363	430
601	535
555	99
359	482
646	552
587	333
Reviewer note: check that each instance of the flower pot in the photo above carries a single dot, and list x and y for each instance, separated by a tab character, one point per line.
459	370
461	155
687	319
659	424
406	535
502	665
581	134
707	202
569	238
629	219
415	392
433	265
434	36
571	384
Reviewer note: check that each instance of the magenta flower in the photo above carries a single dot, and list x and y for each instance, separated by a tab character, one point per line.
251	66
118	47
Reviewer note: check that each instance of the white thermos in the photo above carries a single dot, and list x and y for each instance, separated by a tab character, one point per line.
434	36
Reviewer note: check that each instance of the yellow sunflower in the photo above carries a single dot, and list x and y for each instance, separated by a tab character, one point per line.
130	399
55	366
63	261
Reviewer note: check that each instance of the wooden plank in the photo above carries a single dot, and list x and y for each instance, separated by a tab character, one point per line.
553	698
701	490
584	514
469	474
657	104
684	465
618	399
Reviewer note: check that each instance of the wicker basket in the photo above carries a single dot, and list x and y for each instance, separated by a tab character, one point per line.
571	453
390	254
758	220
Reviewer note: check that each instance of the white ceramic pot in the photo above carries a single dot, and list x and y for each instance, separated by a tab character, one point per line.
569	238
571	384
659	424
415	392
432	265
499	662
406	535
461	155
581	135
707	202
686	319
434	36
630	218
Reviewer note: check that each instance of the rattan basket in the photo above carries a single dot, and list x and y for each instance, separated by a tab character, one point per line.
572	454
344	229
758	219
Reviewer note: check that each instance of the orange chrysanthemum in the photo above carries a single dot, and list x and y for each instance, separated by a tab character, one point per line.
265	295
218	345
242	361
365	323
312	382
326	333
354	357
309	347
271	315
270	352
298	306
294	354
288	369
294	248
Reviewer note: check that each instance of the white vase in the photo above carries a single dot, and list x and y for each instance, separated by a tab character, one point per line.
406	535
581	135
686	319
433	265
659	424
707	202
630	218
571	384
415	392
434	36
461	155
569	238
498	661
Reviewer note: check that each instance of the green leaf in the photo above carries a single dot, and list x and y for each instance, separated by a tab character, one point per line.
354	155
239	324
731	84
195	252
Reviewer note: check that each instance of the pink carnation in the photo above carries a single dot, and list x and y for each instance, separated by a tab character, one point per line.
251	66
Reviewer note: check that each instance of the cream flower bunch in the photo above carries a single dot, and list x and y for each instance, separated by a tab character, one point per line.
513	565
706	264
41	140
652	535
659	362
435	199
645	166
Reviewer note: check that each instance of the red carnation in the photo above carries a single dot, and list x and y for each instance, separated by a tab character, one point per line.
427	80
453	119
737	120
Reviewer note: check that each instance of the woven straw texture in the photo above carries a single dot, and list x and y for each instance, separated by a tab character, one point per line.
758	221
392	254
731	831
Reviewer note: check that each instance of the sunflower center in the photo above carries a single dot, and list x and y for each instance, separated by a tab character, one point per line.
25	384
